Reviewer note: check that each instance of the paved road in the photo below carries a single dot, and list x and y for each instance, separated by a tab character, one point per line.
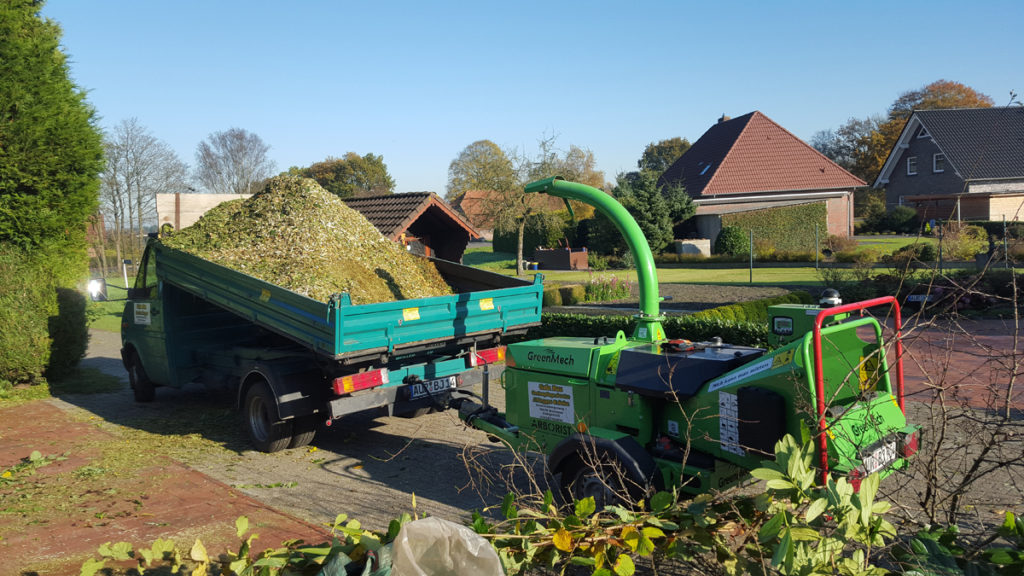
364	465
370	467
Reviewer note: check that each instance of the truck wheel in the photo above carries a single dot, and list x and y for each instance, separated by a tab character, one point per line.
603	478
266	432
142	387
303	431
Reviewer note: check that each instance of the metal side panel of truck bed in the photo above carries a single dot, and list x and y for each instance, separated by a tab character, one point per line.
484	303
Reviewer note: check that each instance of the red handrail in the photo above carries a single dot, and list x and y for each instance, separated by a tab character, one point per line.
819	371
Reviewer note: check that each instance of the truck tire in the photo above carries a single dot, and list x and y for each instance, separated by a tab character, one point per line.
603	477
266	432
142	387
303	431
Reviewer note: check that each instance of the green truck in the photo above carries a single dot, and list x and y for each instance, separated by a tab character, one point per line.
293	362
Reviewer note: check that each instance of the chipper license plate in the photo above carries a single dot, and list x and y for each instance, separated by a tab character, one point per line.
880	457
421	389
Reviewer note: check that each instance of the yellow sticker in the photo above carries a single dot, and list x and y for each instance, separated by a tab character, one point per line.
868	373
410	314
264	295
487	304
782	359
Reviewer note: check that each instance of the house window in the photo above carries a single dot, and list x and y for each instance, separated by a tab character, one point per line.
705	170
922	133
939	163
912	166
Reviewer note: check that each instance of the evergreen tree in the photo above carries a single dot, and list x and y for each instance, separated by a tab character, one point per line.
50	149
51	155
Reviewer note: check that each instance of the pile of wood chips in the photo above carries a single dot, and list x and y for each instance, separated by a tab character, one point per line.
297	235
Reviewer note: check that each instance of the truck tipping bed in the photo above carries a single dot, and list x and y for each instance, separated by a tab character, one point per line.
484	304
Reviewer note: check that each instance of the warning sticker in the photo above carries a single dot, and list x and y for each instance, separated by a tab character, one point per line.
487	304
142	315
410	314
551	402
728	423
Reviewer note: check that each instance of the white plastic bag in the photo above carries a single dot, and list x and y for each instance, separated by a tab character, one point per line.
435	547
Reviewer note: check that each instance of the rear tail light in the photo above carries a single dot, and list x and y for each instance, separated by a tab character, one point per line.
909	443
489	356
360	381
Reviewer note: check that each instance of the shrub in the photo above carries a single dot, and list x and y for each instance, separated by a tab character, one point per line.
552	296
754	310
901	220
543	230
572	294
732	241
42	317
784	228
963	242
836	244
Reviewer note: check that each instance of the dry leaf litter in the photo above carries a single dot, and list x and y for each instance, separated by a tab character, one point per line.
295	234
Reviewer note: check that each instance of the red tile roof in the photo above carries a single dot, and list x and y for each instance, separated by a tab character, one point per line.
752	154
392	214
477	206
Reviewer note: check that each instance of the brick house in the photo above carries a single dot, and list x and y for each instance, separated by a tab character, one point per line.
965	163
751	163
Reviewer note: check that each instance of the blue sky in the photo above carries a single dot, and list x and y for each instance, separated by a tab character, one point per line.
416	82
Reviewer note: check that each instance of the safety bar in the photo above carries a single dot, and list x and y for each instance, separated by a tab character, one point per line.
819	371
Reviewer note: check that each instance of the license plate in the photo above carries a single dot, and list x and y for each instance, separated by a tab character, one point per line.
421	389
880	457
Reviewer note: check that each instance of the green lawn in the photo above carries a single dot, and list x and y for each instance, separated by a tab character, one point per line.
723	276
884	244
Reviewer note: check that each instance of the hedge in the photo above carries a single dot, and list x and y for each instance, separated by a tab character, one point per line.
788	228
43	326
744	324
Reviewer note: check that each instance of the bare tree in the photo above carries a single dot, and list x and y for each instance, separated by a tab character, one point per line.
138	166
233	162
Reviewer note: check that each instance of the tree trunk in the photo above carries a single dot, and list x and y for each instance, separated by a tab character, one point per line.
519	246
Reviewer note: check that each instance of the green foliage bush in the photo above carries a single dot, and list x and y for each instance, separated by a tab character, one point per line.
744	324
789	228
572	294
900	220
732	241
963	242
543	230
552	296
42	316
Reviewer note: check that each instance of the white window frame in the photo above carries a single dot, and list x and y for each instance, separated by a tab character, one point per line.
912	166
923	133
935	163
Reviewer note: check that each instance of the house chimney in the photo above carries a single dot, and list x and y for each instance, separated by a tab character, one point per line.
724	118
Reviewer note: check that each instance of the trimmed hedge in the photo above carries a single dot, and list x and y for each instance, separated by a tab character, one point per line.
754	310
788	228
43	327
572	294
744	324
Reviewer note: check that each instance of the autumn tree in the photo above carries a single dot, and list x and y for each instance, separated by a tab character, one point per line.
658	156
861	146
139	166
482	165
234	161
352	175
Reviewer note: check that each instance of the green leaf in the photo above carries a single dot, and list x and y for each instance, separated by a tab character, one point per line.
508	506
90	567
784	550
241	526
868	489
767	474
804	534
585	507
549	499
815	509
583	561
624	566
661	501
652	532
35	456
771	528
780	484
